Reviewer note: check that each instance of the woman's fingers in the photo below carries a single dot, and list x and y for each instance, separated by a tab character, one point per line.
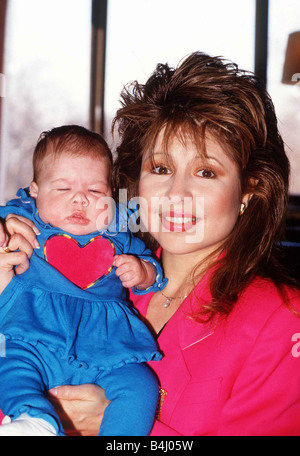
11	259
3	236
18	242
16	224
87	392
19	233
80	407
8	260
16	252
24	220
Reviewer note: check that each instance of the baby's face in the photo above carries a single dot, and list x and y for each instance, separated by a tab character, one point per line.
69	191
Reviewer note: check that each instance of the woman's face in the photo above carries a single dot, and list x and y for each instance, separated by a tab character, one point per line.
189	203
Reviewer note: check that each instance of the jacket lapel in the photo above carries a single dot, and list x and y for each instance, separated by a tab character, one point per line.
191	331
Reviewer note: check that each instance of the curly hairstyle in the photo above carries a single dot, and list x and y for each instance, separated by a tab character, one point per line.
204	95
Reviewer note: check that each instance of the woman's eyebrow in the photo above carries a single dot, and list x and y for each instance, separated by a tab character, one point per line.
151	156
209	157
198	156
155	154
215	159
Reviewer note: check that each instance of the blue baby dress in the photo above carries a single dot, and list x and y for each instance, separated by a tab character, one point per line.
91	325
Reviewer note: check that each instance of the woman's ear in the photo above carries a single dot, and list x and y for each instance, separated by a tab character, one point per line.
34	189
250	191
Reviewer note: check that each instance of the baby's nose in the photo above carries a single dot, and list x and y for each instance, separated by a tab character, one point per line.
80	198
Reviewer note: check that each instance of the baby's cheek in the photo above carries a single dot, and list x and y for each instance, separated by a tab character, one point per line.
46	213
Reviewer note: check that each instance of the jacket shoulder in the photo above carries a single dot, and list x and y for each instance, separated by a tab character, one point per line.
262	300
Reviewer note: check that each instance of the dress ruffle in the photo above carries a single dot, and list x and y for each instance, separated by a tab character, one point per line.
77	363
89	334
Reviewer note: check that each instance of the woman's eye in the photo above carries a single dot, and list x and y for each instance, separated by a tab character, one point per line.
206	173
63	189
161	170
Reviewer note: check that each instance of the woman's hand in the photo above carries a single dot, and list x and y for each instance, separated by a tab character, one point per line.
80	408
7	262
19	233
25	229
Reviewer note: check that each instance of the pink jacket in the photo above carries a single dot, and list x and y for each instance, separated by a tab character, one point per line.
234	377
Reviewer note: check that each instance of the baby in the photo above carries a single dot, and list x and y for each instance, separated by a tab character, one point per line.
67	319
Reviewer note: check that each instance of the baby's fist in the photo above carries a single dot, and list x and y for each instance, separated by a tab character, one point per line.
134	272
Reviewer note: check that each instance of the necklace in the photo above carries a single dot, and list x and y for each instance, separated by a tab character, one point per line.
169	299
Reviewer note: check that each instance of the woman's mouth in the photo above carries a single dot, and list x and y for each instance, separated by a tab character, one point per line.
177	222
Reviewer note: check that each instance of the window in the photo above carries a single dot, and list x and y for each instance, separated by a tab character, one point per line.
284	18
142	33
48	58
47	76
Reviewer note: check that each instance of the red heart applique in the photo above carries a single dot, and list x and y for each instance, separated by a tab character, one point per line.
81	264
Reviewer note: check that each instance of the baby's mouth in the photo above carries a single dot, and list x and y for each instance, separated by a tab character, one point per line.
78	218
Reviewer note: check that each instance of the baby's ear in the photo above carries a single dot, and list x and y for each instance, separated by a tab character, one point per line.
34	189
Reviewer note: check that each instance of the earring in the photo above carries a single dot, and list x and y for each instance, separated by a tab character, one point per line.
243	208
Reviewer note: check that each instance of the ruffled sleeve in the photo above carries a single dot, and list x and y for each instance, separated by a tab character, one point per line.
24	205
160	280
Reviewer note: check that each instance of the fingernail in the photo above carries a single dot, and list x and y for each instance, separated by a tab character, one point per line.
36	230
53	392
36	244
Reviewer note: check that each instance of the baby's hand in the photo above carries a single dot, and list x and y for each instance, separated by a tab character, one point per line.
134	272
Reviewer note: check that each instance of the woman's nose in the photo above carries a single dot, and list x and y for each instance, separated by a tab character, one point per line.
178	187
80	198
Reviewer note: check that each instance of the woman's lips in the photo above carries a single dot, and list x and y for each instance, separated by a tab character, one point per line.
77	218
178	222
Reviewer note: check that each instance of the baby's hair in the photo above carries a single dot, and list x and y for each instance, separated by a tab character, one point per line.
71	139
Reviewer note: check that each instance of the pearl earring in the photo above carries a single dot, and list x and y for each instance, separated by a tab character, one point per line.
243	208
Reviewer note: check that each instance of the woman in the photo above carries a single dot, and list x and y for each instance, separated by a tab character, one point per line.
200	146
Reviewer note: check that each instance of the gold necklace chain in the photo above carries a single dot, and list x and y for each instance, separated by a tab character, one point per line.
169	299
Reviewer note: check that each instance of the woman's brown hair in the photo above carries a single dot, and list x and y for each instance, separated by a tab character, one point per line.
210	95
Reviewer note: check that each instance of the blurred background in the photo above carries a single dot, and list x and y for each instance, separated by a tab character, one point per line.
66	61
